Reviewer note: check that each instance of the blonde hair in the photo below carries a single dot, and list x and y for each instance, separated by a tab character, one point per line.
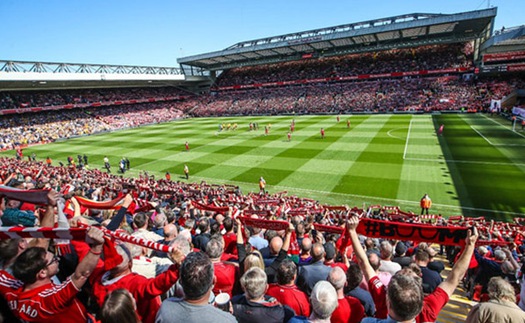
253	259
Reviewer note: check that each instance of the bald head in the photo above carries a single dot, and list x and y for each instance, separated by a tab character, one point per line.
275	245
318	251
306	244
170	231
337	278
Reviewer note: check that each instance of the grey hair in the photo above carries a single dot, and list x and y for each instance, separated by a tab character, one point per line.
386	250
323	299
254	283
499	255
214	248
500	289
182	243
337	278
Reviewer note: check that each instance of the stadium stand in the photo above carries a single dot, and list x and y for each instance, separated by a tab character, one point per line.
418	79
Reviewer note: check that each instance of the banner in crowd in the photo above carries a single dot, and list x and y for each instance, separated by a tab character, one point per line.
443	235
276	225
210	207
30	196
75	234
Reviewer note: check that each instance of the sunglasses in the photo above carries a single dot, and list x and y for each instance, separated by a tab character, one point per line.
55	259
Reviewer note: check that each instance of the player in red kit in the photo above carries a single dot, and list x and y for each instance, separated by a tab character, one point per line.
322	133
289	136
187	145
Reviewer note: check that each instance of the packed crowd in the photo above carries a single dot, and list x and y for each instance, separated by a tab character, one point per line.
28	99
435	57
382	95
36	128
234	257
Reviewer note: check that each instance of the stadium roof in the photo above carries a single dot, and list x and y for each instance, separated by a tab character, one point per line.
510	39
393	32
21	75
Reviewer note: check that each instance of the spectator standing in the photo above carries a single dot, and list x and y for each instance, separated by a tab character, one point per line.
119	306
310	274
324	302
35	298
196	279
349	309
386	253
431	278
501	306
286	292
254	306
404	299
226	273
354	276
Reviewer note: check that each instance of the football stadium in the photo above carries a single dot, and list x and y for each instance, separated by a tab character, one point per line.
372	171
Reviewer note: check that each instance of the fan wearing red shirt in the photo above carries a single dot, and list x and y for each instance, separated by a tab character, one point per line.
145	291
230	238
226	273
403	300
286	292
349	309
35	298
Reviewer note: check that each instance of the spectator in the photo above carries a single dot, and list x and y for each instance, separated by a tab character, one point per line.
196	279
349	309
226	273
229	236
488	268
170	233
201	239
324	302
354	276
431	279
501	306
145	291
400	255
286	292
119	306
14	216
310	274
404	295
305	257
386	253
34	269
254	305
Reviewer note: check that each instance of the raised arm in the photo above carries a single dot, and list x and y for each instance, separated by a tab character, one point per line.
115	222
360	253
48	218
461	266
86	266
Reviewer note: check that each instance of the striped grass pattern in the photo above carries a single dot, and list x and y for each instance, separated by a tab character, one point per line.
477	167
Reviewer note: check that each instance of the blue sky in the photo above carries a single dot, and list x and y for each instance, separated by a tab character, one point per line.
157	32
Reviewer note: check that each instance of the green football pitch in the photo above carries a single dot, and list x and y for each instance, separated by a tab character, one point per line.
476	168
